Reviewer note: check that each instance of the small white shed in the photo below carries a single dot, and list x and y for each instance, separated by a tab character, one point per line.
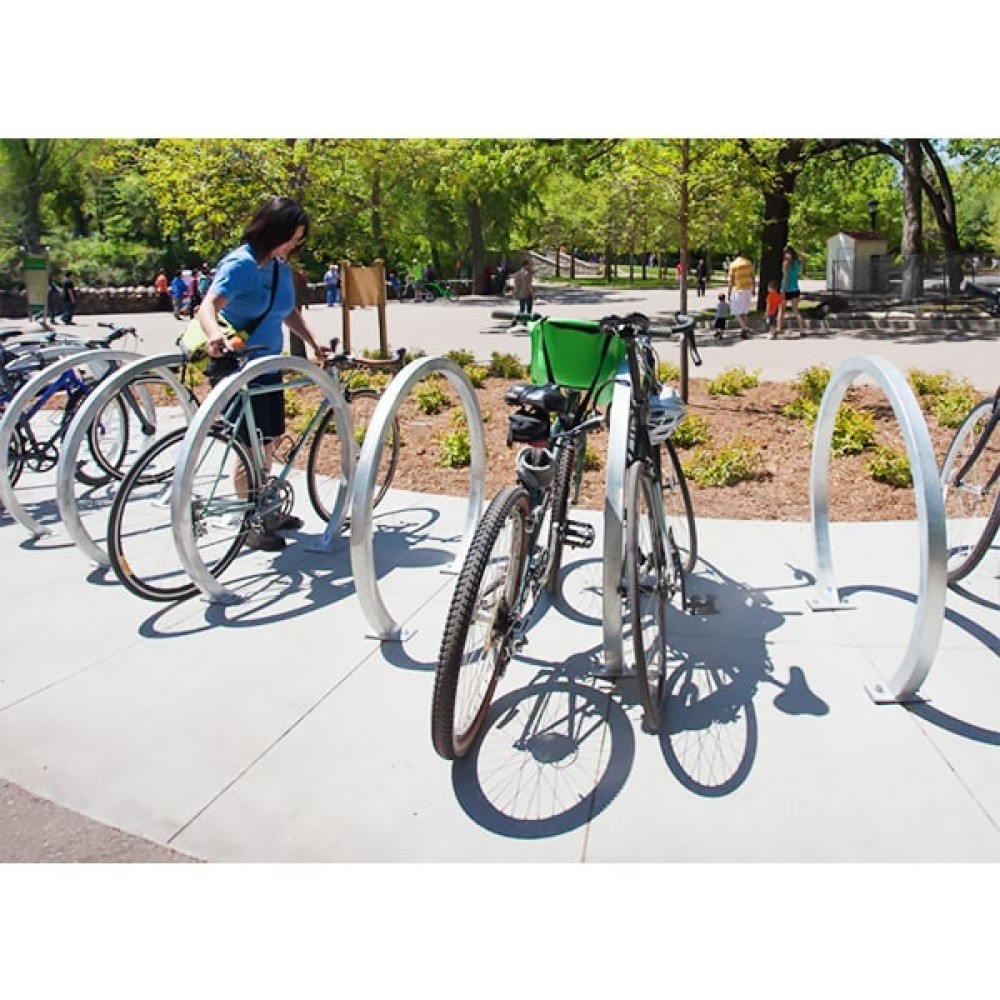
854	261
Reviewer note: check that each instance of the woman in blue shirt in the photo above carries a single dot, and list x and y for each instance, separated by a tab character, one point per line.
253	290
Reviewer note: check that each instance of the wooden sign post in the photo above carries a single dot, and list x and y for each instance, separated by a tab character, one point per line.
364	286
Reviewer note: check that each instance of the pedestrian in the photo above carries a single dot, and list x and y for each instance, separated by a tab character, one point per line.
177	291
68	298
162	286
741	289
524	288
772	309
253	292
195	292
331	281
791	269
721	315
701	275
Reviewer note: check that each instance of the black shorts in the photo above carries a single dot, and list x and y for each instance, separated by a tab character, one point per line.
793	295
268	407
720	322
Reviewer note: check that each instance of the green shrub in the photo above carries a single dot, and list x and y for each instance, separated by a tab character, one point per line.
413	355
667	371
738	461
733	381
927	384
812	383
506	366
462	358
592	459
355	379
690	431
293	405
477	375
853	431
801	408
890	466
456	449
430	398
953	405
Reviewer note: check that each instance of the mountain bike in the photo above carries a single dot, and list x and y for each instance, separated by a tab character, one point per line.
517	545
233	492
970	473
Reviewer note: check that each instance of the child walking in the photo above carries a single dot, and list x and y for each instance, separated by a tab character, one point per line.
772	309
721	315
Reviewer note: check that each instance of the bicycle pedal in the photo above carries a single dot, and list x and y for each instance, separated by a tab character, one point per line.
578	534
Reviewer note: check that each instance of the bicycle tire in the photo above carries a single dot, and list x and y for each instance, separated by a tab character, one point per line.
15	457
677	506
140	538
562	480
323	462
646	584
472	659
107	443
114	466
972	514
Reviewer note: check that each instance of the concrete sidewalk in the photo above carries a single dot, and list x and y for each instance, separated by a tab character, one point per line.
275	730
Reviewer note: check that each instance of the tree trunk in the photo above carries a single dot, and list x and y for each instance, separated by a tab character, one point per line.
913	224
475	217
777	206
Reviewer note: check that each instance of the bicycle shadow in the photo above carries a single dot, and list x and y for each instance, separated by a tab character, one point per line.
710	729
299	580
552	755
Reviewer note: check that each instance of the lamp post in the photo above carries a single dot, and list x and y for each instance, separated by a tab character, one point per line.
873	214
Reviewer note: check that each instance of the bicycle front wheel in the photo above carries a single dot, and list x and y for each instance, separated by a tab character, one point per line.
476	645
562	481
107	443
140	533
971	503
323	464
648	587
677	506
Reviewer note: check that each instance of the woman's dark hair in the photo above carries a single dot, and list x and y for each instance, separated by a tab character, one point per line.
275	223
790	249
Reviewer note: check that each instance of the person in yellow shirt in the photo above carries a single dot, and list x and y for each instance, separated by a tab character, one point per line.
741	289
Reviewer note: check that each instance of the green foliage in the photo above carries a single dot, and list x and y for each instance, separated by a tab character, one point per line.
462	358
593	460
477	375
355	378
801	408
413	355
736	462
926	384
456	449
667	371
506	366
953	406
853	431
691	431
811	383
733	381
887	465
430	398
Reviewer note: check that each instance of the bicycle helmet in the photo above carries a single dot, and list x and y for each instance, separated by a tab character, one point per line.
535	468
666	411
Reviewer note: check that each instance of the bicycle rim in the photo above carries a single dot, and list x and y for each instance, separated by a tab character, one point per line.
107	443
476	644
647	583
677	506
971	507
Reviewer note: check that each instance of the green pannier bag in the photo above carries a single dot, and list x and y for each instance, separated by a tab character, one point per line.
575	354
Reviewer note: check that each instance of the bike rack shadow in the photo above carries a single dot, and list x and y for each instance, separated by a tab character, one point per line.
552	755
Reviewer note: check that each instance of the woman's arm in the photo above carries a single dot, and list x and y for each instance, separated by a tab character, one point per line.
297	325
208	316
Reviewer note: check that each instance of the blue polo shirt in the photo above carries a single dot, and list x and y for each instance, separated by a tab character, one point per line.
246	287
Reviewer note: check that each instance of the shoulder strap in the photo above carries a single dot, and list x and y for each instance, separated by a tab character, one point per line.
254	323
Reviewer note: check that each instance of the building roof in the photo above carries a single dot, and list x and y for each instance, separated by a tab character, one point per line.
862	235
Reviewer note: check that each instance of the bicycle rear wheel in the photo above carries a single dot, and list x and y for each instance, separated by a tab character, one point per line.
677	506
140	533
647	585
476	645
15	456
107	442
323	464
972	504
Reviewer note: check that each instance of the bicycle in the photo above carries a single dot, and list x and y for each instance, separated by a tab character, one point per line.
517	545
233	492
43	424
970	473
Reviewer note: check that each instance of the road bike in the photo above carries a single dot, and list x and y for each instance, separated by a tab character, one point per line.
970	473
234	492
516	549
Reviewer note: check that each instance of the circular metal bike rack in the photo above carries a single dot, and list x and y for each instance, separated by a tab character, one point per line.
210	411
614	521
362	545
158	365
68	357
929	616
